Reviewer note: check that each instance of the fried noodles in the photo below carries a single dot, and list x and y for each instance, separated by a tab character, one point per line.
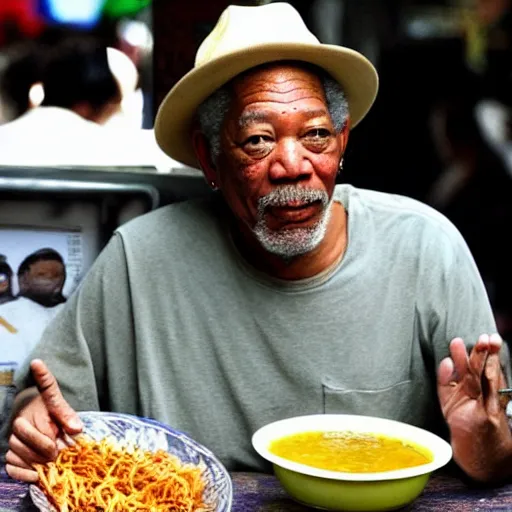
92	476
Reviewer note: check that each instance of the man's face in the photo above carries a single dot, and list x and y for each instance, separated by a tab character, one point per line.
280	156
43	278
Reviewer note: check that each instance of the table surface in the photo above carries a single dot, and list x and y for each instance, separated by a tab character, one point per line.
261	493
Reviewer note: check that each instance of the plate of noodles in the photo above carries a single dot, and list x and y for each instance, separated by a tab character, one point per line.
125	463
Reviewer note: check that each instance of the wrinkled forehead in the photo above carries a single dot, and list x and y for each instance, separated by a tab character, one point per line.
280	78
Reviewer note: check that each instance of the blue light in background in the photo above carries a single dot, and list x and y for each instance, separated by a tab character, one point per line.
82	13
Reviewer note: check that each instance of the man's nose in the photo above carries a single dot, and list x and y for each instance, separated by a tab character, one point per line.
289	162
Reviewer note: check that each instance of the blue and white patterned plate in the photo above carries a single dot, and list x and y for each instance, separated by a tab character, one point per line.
131	431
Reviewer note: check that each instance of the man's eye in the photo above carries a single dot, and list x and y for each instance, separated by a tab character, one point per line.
258	146
318	133
256	140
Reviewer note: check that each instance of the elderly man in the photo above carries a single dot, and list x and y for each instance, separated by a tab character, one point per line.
282	294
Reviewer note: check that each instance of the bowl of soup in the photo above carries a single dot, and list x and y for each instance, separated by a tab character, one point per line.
351	463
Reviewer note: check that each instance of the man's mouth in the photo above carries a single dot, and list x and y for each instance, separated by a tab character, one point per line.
295	211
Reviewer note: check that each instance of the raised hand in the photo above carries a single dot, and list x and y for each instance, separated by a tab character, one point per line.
468	394
39	426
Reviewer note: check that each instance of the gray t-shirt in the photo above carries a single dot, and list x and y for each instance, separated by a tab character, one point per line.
172	324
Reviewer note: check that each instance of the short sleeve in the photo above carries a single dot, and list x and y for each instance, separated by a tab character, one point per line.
453	293
92	327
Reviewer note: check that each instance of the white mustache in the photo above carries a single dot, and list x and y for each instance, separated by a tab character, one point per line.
291	193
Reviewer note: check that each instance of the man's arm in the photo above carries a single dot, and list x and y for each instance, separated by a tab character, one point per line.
469	370
73	353
74	344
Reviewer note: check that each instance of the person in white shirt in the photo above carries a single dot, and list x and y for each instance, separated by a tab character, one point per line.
84	87
22	322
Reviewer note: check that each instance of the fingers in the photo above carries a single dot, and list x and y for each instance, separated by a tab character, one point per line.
460	359
479	355
15	460
495	342
445	372
24	452
467	370
19	461
444	381
480	373
57	406
492	377
484	346
25	475
29	443
492	343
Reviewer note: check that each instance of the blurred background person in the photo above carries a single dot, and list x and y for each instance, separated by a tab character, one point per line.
19	70
34	35
129	112
77	78
494	115
6	294
136	42
41	278
474	191
81	88
22	322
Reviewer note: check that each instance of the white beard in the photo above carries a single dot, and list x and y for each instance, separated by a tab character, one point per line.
289	243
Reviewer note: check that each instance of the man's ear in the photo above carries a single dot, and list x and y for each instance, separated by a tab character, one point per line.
204	157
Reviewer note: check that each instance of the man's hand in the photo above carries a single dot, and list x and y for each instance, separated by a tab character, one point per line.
468	394
39	426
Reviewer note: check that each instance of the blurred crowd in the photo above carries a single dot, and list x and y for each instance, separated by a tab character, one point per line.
75	96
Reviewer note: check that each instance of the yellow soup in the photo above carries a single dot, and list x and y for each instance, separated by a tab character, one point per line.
350	452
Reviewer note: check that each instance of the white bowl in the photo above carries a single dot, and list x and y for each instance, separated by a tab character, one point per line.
335	490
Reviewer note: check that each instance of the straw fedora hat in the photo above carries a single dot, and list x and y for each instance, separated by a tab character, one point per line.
245	37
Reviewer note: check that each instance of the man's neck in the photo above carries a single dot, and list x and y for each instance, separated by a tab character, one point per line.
329	251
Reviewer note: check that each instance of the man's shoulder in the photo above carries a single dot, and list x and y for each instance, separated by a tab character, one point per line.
397	208
418	230
194	218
